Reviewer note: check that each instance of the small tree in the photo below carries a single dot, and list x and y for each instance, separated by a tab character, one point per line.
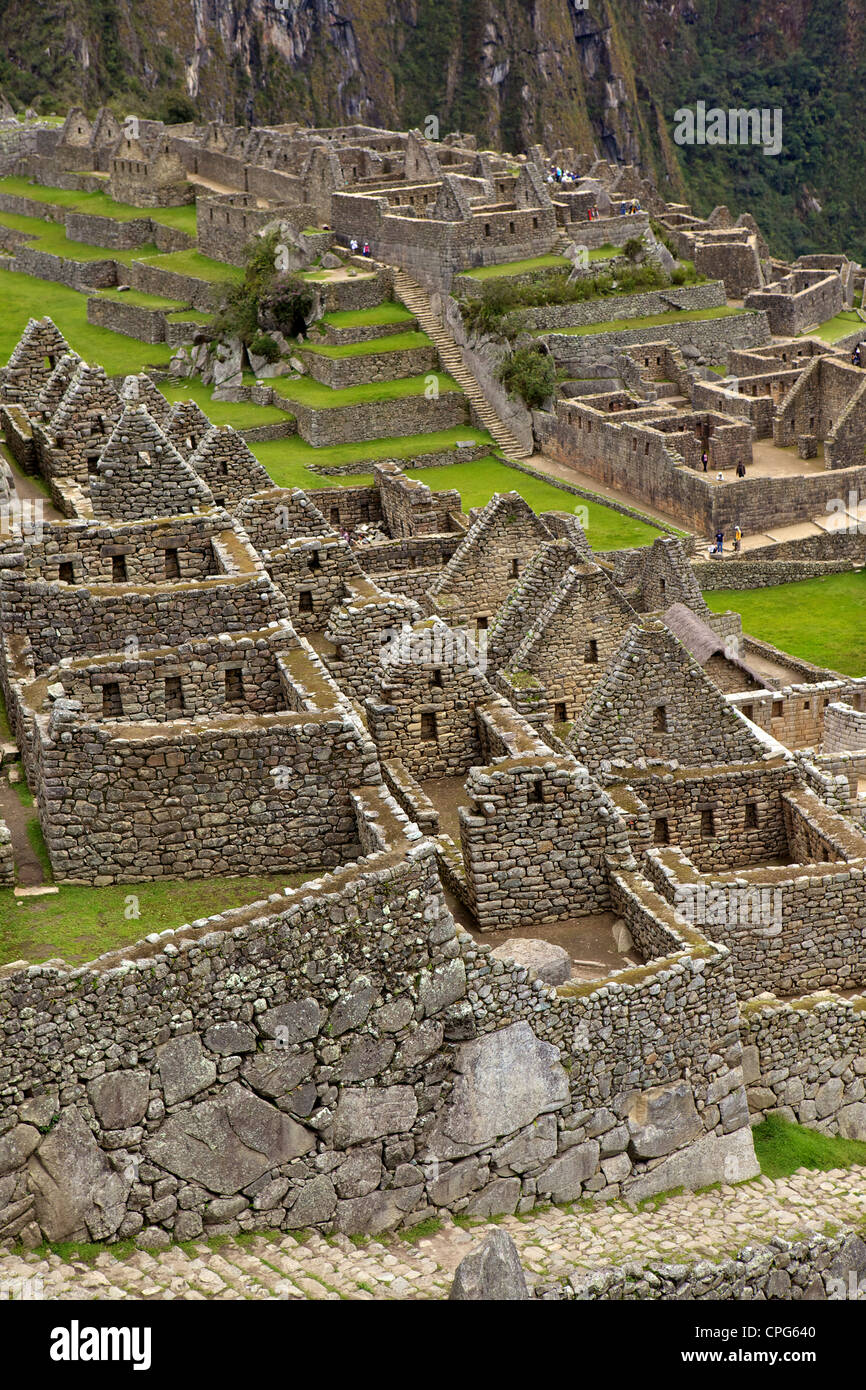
530	373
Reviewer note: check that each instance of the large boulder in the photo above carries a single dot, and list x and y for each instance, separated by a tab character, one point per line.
551	963
661	1120
120	1098
78	1195
184	1070
715	1158
228	1141
492	1272
504	1081
371	1112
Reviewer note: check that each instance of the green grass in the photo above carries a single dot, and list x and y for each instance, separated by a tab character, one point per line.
5	731
141	299
394	342
477	482
239	414
24	297
782	1148
80	922
318	397
838	327
494	272
190	263
51	237
820	620
181	218
288	460
389	311
650	320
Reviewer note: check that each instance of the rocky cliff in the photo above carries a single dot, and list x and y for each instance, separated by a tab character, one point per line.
513	72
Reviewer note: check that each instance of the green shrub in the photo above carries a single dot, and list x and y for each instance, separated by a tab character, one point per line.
266	299
264	346
633	249
530	373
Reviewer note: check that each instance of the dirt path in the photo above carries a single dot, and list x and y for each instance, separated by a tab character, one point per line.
16	816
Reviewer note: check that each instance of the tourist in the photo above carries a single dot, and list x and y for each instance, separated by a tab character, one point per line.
720	542
738	537
855	355
741	469
353	246
366	248
622	209
704	460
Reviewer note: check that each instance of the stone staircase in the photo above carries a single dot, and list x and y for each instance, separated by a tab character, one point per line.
417	301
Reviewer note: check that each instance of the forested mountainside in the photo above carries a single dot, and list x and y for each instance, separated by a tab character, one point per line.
512	72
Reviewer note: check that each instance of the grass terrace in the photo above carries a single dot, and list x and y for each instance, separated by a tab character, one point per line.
549	262
650	321
318	397
393	342
288	460
142	300
23	296
79	922
51	237
389	311
239	414
820	620
477	482
183	218
838	327
189	263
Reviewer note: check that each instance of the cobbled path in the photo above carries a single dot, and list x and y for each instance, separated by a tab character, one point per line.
708	1225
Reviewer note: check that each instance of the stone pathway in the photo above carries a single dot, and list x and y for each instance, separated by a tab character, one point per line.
689	1227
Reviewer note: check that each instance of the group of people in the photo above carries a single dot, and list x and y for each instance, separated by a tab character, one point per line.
740	469
353	247
592	213
719	547
628	209
558	175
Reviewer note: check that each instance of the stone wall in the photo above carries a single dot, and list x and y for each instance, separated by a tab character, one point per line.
806	1058
549	317
816	1267
712	338
75	275
360	1094
361	368
188	289
348	424
134	320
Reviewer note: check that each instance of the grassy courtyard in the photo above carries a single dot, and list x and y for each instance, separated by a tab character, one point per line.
24	297
550	262
51	237
479	480
649	321
820	620
79	922
99	204
239	414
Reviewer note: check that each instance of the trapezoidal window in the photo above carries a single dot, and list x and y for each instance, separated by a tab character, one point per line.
436	677
590	652
118	569
751	820
111	702
305	601
67	574
481	623
660	720
515	568
428	726
535	793
172	568
234	692
314	563
559	712
173	695
708	824
335	516
749	711
661	834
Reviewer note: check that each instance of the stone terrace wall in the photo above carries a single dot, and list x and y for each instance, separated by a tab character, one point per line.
712	338
149	325
214	1080
341	372
817	1267
746	573
96	275
807	1058
548	318
379	419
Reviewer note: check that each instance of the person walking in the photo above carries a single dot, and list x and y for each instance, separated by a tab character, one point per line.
704	460
741	469
855	356
720	542
738	538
